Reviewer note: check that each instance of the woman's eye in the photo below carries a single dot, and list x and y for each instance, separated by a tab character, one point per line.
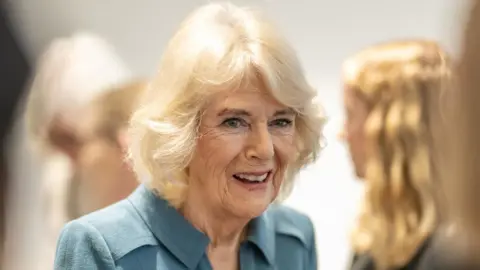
281	123
233	123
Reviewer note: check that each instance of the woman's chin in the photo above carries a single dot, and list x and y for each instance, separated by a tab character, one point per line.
250	208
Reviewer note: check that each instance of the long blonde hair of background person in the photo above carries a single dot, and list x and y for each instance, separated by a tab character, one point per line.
397	80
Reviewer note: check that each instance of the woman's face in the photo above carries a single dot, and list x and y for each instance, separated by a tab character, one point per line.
246	143
104	176
354	129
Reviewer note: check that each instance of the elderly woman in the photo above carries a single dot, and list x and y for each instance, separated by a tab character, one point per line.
392	95
222	132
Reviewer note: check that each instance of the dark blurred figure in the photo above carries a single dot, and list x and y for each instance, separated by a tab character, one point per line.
14	72
465	168
458	246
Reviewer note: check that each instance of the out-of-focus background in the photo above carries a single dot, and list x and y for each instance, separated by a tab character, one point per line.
323	32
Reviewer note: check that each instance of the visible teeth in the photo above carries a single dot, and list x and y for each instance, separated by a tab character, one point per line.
252	178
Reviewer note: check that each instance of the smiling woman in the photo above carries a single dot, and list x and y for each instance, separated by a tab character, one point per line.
223	130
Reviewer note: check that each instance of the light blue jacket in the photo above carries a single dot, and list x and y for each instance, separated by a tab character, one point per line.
144	232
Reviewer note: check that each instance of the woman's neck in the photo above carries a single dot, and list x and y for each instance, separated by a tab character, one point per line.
224	230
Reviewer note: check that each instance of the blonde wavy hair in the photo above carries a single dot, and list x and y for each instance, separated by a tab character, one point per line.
401	84
219	47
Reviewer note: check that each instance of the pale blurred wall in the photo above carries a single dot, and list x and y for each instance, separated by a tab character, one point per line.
323	31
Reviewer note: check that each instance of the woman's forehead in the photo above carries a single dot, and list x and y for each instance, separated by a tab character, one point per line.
249	99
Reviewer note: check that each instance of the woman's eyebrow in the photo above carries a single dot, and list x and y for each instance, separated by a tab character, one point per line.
243	112
234	111
288	111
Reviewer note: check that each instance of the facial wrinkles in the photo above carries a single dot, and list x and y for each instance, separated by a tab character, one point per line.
213	139
232	142
205	142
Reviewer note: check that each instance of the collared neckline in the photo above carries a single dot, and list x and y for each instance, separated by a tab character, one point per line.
261	232
170	227
181	238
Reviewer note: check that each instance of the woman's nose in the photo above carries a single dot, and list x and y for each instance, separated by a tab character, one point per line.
260	145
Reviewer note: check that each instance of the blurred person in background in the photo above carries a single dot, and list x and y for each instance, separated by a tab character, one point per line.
458	246
387	94
100	160
42	197
222	132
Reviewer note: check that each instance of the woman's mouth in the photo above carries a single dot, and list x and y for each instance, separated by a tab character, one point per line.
252	178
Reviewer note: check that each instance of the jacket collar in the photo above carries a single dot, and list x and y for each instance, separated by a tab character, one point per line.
182	239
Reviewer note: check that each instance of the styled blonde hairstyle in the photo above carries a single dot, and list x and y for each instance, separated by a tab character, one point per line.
219	47
400	82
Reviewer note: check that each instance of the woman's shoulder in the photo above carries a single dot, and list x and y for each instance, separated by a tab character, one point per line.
445	253
113	220
363	261
107	234
434	253
294	235
286	215
442	260
292	222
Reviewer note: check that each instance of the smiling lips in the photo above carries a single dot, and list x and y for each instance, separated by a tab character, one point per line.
252	178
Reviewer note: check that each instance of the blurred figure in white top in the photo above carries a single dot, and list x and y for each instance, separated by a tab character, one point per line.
44	193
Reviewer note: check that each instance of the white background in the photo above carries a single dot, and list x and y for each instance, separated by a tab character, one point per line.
323	31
